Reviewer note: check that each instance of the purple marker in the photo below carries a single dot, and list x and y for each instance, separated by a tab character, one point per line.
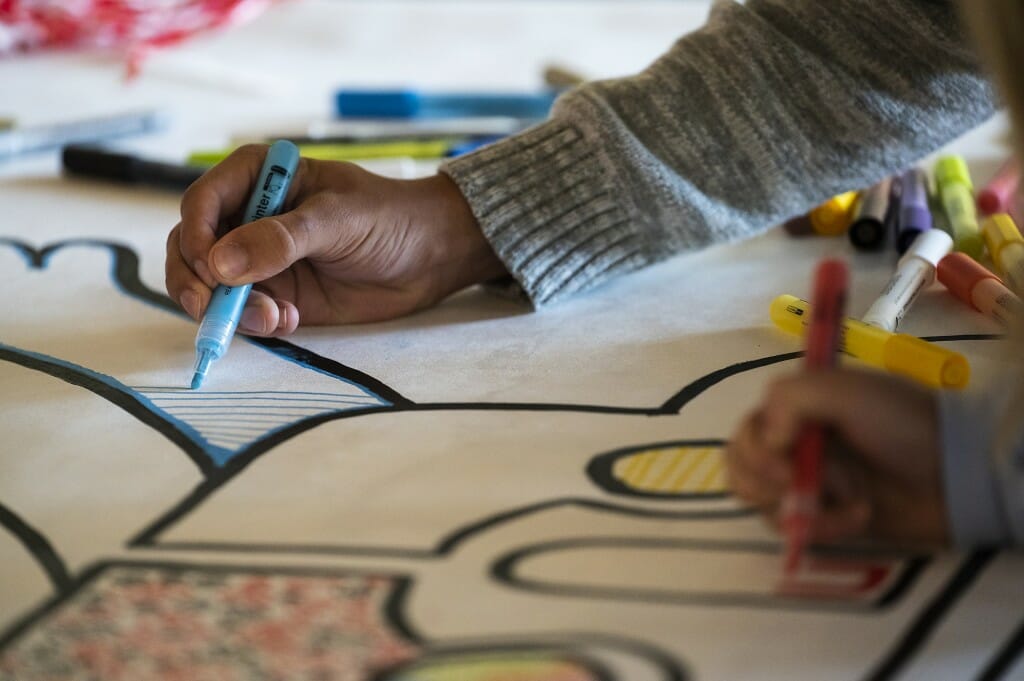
914	215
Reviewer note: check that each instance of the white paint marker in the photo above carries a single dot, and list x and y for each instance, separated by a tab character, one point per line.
20	140
914	271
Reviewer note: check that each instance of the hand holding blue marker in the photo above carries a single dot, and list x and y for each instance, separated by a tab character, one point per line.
226	304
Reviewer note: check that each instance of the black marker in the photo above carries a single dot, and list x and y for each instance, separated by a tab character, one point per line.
92	161
868	231
892	217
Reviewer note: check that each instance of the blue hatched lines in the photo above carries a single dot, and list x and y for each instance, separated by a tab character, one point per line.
232	420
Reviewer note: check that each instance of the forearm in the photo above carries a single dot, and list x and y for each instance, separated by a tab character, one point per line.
765	111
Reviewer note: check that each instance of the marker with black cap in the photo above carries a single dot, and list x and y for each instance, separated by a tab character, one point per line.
868	230
97	162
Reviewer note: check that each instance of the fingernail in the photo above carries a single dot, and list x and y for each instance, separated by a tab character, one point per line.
231	260
203	272
190	301
252	319
282	316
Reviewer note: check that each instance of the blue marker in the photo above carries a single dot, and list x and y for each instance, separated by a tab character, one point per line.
470	145
412	104
227	302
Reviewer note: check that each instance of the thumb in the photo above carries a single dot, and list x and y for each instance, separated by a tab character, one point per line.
264	248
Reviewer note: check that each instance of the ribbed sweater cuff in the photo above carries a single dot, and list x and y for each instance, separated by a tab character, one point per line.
549	210
972	495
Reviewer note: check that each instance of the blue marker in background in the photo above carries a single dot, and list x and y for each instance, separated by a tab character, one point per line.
226	304
351	103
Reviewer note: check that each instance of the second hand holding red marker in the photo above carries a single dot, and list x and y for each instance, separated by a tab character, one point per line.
800	505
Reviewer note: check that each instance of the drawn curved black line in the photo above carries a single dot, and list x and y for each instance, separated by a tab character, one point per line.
38	547
1003	661
113	392
929	618
503	570
394	613
445	546
600	470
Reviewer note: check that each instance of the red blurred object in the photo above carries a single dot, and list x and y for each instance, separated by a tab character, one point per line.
131	26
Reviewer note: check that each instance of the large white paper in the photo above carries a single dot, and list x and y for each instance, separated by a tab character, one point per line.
474	490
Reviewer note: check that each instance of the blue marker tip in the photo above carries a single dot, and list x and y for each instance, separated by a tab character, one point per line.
203	361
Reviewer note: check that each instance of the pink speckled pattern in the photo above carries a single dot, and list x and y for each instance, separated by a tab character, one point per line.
181	623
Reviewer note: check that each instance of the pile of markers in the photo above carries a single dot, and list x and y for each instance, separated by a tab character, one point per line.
407	124
386	130
897	209
969	243
389	130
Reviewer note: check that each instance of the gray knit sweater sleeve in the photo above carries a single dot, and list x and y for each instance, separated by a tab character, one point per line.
771	107
983	462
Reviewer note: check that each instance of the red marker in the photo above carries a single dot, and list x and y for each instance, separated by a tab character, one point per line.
998	194
800	504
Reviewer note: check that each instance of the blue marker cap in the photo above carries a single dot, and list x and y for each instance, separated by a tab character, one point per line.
227	302
412	104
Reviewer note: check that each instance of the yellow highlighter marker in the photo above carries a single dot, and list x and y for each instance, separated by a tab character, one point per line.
833	217
956	194
1006	246
899	353
347	152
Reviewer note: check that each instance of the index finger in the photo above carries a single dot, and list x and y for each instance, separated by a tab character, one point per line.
219	193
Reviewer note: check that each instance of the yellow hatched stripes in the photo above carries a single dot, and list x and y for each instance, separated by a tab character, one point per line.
673	470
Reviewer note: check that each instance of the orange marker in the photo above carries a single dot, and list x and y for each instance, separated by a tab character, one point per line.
800	505
979	288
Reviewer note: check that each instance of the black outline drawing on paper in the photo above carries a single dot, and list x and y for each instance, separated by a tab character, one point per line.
218	472
884	579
